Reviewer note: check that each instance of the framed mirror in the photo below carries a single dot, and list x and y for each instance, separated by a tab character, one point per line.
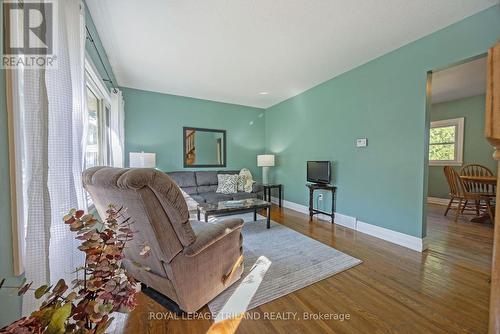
204	147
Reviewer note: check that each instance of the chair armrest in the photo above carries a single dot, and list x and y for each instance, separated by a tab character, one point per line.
208	234
257	187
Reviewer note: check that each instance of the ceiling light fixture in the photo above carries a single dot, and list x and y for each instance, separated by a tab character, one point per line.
263	93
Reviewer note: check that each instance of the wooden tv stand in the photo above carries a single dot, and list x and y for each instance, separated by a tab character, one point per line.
317	186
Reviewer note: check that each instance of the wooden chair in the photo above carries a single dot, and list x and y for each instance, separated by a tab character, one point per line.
467	201
476	187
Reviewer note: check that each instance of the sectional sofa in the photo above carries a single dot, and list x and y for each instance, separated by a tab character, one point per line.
202	186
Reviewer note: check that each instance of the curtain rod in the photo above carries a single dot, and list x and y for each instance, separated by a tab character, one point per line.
91	39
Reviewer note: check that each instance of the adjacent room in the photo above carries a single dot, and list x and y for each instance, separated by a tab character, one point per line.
267	166
462	170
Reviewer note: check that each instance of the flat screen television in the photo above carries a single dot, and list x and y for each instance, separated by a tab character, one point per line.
319	171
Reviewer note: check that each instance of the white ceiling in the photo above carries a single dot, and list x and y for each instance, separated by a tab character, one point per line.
459	81
231	50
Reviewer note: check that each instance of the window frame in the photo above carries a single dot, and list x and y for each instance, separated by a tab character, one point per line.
96	85
458	123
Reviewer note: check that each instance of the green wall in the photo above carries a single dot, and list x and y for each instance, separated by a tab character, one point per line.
154	121
91	51
385	101
476	148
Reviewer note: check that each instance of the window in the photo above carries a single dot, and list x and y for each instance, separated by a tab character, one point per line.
446	142
92	151
98	106
98	113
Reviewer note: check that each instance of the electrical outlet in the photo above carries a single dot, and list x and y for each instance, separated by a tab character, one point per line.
320	197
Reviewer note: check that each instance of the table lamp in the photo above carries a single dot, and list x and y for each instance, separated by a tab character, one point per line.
265	161
142	160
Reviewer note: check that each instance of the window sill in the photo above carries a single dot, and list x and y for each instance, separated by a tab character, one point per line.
445	163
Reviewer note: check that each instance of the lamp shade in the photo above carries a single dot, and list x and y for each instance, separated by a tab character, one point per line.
265	160
142	160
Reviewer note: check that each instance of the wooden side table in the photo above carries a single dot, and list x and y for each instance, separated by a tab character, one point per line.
312	211
267	192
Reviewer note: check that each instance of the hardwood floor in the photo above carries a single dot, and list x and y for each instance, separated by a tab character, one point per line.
395	290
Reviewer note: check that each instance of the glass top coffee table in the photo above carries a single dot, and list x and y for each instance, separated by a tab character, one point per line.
233	207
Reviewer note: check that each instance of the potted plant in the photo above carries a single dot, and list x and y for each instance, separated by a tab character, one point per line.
102	285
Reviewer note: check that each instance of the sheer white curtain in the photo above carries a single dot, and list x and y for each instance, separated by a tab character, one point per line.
51	105
117	129
65	91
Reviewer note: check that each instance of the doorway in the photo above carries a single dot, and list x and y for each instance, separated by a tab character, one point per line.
458	207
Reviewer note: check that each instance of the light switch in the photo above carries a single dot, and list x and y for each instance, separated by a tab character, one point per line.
361	142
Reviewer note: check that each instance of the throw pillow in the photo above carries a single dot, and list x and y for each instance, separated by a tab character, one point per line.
242	181
247	186
227	183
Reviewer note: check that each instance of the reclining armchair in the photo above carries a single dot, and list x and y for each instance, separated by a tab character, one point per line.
190	262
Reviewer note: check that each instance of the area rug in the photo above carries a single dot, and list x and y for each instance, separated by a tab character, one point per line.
293	261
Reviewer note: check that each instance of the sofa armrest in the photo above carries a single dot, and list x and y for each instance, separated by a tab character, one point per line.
257	187
208	234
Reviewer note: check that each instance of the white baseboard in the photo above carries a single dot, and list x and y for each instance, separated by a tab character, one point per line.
401	239
292	205
398	238
438	201
346	221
